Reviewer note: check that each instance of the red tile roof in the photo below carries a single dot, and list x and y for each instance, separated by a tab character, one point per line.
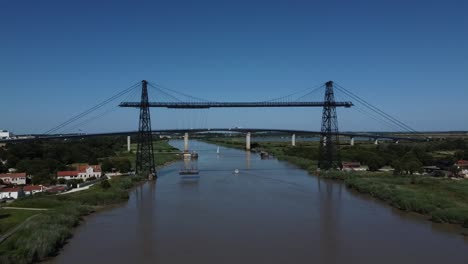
462	163
82	168
14	189
350	164
29	188
67	173
79	169
13	175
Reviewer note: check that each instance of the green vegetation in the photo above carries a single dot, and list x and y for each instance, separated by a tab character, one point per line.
41	237
42	160
406	158
163	153
442	199
10	218
47	232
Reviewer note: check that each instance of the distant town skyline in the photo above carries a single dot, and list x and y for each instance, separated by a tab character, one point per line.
409	58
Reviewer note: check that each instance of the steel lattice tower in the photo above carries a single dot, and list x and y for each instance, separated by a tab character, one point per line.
145	154
329	152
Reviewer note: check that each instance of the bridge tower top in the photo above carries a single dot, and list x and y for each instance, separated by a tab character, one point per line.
329	153
145	155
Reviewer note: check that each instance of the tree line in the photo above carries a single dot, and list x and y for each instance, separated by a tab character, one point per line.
43	159
403	157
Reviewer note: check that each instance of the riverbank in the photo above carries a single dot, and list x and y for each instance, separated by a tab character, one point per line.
442	200
42	237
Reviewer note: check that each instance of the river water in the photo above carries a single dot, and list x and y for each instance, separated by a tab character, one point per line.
271	212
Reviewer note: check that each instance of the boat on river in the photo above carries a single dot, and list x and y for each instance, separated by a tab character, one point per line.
264	155
190	171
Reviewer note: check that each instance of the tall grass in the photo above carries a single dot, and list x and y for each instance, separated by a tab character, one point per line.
44	236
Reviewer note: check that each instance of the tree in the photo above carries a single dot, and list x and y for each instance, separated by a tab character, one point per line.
412	166
123	164
12	161
105	184
74	183
397	167
459	154
3	153
455	170
374	163
107	165
42	177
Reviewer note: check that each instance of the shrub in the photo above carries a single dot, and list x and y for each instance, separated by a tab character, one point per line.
105	184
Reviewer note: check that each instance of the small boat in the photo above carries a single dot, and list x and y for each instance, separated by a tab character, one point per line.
217	151
188	171
194	155
236	171
264	155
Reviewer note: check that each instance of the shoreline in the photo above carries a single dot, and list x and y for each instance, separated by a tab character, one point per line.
66	213
99	209
400	192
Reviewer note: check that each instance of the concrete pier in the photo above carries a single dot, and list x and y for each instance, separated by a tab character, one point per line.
128	144
247	141
293	140
186	142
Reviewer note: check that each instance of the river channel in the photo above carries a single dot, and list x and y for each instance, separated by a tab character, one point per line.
270	212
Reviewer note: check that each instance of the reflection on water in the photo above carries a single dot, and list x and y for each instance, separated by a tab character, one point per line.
247	159
270	212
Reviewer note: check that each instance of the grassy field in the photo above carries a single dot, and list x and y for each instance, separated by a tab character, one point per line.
46	233
163	153
10	218
441	199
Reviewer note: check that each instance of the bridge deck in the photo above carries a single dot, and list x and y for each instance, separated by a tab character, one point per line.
189	105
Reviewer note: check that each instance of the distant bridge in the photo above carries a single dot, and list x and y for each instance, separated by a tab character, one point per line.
375	136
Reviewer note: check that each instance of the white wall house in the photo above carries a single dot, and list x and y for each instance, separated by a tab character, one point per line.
14	178
83	172
33	189
5	134
67	175
463	166
9	193
16	191
91	171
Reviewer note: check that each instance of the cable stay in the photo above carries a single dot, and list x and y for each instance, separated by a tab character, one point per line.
92	109
376	113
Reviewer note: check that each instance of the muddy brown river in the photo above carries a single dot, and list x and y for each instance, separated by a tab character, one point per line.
270	212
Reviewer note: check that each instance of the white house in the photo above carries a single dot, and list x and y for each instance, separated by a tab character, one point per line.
32	189
82	172
5	134
16	192
14	178
9	193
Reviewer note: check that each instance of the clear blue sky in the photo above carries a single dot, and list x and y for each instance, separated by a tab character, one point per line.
58	58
